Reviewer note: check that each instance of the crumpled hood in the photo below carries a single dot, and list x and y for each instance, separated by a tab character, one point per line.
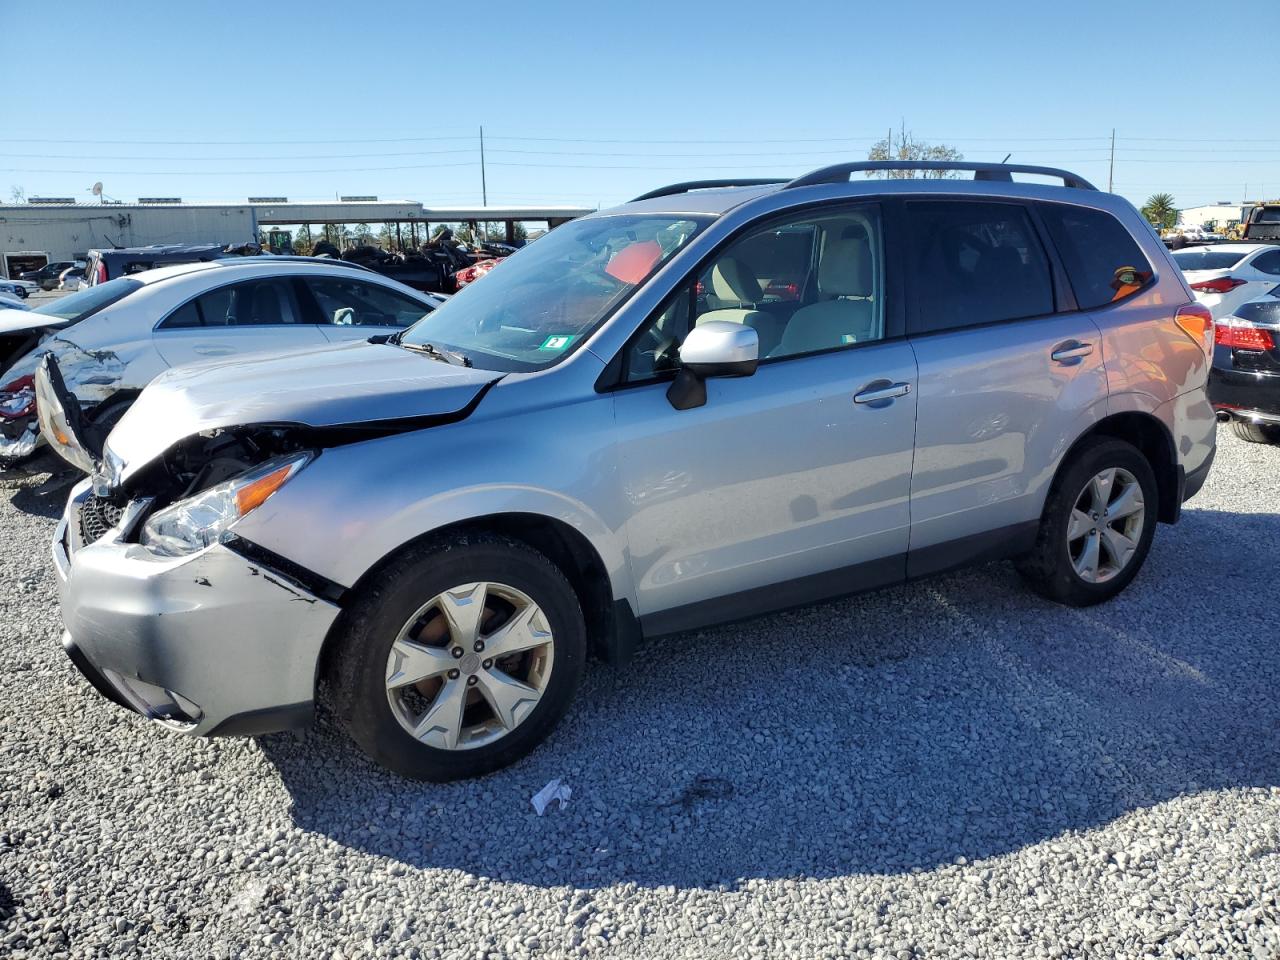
342	385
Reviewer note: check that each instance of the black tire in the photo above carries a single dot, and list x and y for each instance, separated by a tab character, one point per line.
1047	568
355	674
1255	432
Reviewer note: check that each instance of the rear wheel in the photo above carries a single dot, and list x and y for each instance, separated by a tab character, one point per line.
1255	432
1097	525
460	660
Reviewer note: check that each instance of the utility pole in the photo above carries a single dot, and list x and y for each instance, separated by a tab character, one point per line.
1111	171
484	187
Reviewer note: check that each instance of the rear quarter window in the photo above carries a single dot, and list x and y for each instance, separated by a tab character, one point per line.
1103	262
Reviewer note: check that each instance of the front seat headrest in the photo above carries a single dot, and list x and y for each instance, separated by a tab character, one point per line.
845	267
733	282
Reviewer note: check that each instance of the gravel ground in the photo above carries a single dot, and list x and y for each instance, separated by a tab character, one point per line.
954	768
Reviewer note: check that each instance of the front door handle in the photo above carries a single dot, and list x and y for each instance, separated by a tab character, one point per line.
1071	351
880	390
209	350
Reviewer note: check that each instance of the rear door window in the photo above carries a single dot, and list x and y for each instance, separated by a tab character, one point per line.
1103	262
974	263
254	303
1268	262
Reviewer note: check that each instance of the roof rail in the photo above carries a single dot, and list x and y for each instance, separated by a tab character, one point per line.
981	171
675	188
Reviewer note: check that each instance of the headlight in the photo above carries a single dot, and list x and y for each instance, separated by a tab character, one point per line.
198	521
55	423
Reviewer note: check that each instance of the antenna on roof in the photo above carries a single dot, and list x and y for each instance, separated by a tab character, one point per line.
1006	158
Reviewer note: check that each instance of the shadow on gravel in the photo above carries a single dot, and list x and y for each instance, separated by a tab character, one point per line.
901	730
38	494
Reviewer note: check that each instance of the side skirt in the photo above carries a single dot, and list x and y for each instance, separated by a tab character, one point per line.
847	581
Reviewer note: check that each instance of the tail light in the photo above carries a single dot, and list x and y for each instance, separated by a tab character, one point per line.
102	273
1220	285
1196	322
1239	335
18	399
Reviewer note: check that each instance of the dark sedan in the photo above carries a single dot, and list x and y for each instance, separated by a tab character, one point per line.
1244	384
50	274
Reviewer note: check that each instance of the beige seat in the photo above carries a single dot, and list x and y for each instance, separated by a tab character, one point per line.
847	315
735	291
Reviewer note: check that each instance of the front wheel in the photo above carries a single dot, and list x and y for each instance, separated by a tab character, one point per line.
459	659
1097	525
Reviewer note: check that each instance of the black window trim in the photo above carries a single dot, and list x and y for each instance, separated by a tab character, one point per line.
1151	267
613	377
1061	294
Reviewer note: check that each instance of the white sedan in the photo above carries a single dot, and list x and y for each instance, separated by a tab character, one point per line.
1225	275
112	339
18	288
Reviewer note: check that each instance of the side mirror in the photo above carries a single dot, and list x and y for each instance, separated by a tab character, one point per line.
717	348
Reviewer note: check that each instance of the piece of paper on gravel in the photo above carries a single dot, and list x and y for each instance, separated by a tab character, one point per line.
555	790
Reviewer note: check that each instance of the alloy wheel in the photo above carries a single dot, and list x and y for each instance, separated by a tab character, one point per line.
469	666
1106	525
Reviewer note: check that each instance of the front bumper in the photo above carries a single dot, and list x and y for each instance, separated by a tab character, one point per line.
208	644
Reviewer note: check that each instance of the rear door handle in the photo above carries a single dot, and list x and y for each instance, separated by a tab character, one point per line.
881	390
1071	351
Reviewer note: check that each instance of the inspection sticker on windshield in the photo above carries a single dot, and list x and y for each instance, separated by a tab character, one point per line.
558	341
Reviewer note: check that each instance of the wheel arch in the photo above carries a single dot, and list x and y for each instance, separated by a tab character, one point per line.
1153	439
612	628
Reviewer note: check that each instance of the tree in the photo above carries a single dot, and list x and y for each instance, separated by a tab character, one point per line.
497	231
907	147
1160	210
337	234
302	242
362	236
17	194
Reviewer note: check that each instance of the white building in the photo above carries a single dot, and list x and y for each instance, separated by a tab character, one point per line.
1210	216
61	229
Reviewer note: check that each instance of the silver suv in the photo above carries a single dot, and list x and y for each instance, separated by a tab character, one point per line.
718	400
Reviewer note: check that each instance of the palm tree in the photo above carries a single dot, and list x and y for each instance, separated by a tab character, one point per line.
1160	210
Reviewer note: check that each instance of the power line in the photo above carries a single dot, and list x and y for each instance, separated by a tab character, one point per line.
228	173
314	156
238	143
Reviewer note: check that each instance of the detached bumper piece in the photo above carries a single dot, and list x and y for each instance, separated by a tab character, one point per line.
208	644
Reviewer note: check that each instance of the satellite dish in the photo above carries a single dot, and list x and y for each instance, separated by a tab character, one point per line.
97	189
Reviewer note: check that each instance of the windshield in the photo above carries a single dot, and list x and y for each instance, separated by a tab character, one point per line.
542	302
1208	259
80	305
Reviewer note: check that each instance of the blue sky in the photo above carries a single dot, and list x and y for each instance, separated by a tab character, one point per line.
591	103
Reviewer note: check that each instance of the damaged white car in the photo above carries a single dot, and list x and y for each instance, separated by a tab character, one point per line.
112	339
